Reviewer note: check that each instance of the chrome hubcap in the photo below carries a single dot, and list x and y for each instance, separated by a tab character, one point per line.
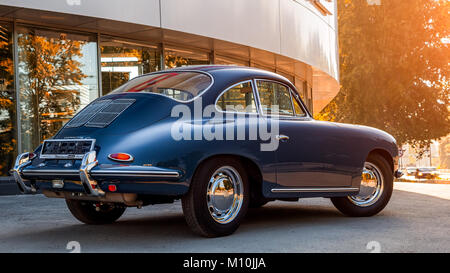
371	186
224	194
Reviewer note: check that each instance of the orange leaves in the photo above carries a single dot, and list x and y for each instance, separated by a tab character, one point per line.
394	68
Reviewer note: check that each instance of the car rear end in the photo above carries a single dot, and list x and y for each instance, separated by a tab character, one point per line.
105	151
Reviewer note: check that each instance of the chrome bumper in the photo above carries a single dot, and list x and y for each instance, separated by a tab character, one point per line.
22	161
86	173
88	162
398	174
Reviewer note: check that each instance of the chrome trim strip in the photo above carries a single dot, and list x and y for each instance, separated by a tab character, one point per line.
102	172
50	172
131	173
315	190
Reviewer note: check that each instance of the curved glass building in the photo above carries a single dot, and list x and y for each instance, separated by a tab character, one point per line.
58	55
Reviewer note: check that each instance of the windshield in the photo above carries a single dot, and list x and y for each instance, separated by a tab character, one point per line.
178	85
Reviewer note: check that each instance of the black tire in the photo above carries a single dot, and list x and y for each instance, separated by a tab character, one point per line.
195	206
257	203
347	207
86	212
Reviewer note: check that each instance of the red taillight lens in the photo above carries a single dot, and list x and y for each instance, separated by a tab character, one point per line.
121	157
112	187
31	156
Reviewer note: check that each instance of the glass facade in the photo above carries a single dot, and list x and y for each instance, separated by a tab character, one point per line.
122	61
175	57
57	78
48	75
8	127
219	59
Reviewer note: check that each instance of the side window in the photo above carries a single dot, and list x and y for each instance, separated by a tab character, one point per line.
273	94
299	112
238	98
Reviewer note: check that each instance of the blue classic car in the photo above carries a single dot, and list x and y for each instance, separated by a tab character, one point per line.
220	138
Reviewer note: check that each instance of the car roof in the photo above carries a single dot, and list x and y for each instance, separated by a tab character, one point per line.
229	74
243	71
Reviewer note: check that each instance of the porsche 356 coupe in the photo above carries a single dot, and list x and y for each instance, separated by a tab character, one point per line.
220	138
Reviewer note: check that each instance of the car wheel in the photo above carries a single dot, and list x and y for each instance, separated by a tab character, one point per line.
376	190
94	213
257	203
218	197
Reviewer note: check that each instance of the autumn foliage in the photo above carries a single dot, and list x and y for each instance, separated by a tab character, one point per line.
394	68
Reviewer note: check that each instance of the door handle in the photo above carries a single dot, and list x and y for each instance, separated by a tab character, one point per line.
282	138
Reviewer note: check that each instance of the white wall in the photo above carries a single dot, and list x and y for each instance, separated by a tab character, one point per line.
250	22
308	36
144	12
293	28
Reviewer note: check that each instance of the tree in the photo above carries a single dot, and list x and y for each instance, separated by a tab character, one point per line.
7	106
172	61
48	68
148	60
394	68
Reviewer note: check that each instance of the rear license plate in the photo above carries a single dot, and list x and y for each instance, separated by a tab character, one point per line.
66	148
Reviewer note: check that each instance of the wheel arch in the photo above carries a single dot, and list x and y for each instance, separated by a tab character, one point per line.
254	173
385	154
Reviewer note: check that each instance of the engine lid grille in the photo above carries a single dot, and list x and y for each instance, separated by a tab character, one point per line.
109	113
100	113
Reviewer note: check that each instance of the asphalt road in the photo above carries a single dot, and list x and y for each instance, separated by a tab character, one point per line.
416	220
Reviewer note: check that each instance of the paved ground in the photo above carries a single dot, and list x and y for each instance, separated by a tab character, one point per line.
416	220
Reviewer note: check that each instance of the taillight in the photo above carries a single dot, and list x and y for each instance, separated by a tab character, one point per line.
112	187
121	157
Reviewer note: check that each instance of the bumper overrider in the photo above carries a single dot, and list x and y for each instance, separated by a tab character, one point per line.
397	172
89	176
22	161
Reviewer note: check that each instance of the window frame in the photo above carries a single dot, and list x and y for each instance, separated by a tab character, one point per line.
255	98
292	96
296	96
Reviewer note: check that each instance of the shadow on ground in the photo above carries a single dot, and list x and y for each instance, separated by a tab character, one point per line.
412	222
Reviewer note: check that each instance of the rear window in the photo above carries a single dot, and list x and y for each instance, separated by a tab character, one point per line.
179	85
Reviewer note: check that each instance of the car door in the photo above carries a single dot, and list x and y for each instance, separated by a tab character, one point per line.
308	153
